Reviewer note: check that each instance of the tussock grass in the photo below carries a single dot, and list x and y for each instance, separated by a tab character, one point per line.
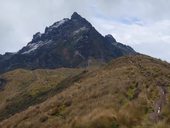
121	94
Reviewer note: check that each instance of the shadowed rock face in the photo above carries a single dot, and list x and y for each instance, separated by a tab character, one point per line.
66	43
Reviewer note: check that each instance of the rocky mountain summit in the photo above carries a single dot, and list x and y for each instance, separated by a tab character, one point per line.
70	42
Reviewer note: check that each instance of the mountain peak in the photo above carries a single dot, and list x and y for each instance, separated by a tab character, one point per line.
67	43
110	38
75	15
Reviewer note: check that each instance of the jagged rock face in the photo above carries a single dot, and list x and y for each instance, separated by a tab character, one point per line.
110	38
67	43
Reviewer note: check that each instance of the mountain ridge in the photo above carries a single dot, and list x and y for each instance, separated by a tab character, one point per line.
67	43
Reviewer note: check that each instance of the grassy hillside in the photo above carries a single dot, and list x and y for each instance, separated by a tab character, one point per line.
129	92
23	88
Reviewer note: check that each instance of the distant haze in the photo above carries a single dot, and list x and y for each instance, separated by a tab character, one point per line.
142	24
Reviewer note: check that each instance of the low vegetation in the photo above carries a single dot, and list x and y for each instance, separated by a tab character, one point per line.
129	92
25	88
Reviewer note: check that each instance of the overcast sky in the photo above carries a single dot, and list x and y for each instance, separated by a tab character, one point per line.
142	24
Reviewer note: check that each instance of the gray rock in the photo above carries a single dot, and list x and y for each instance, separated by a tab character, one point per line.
66	43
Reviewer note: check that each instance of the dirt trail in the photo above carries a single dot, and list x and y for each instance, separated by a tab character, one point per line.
159	104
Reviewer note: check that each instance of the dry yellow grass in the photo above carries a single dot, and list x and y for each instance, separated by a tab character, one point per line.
122	94
22	85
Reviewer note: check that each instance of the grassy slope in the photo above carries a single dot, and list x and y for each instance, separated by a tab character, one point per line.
127	93
24	88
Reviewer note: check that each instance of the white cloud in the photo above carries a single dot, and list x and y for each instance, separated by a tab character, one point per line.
148	38
142	24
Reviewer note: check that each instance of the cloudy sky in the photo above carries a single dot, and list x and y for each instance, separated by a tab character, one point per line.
142	24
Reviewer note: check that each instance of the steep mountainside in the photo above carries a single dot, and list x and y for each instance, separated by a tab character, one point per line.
129	92
67	43
0	56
